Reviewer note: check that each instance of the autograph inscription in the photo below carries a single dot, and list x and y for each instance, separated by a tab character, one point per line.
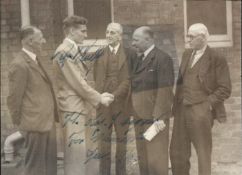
82	54
94	154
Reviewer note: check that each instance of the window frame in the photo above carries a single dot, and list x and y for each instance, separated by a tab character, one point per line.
25	13
214	40
99	42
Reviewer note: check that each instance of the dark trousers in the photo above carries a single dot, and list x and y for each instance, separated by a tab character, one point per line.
41	153
109	117
192	124
152	155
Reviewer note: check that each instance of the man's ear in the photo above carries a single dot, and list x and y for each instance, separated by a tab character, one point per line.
71	31
29	41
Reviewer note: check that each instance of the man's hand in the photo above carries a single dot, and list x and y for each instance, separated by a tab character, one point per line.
106	99
222	120
160	124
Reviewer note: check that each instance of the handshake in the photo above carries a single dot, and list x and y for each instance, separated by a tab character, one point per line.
106	99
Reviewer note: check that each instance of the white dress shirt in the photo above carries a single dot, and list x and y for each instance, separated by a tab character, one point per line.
148	51
114	49
30	54
72	42
198	55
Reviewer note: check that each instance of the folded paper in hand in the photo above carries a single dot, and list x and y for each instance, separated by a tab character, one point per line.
154	129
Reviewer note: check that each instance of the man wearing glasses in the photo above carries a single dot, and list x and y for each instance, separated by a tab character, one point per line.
202	86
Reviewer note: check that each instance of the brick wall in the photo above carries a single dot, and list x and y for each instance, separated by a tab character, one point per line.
10	44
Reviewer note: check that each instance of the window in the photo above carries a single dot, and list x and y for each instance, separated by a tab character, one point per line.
98	13
216	15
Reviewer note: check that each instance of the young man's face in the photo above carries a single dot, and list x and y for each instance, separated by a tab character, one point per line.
79	33
113	35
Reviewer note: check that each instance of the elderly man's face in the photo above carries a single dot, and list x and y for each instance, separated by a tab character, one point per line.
36	40
79	33
113	35
196	42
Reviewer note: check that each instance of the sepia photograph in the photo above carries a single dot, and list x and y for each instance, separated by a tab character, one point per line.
121	87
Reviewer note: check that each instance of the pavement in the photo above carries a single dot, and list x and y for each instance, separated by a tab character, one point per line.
231	167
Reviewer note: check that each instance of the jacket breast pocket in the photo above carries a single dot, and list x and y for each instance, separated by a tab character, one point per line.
151	76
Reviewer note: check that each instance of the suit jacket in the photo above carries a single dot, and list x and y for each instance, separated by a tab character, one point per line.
31	100
73	92
152	84
121	94
214	78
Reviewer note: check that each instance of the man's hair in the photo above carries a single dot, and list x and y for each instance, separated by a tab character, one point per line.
117	26
198	29
27	31
148	31
73	22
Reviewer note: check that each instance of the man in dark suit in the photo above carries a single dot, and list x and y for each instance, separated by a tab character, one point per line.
111	75
32	105
202	86
152	79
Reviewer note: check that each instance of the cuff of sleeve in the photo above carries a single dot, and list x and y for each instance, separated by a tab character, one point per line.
98	101
211	100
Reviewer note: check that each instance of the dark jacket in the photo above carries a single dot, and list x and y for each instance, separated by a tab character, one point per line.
122	92
31	100
152	84
214	78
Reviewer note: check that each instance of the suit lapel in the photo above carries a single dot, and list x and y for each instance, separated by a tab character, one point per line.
104	59
185	61
121	56
135	63
34	65
204	65
147	60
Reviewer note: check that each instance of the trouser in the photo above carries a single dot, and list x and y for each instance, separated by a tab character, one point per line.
80	146
152	155
192	124
109	117
41	153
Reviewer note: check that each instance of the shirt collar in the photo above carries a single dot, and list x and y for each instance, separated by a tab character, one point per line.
72	42
149	50
114	48
30	54
202	50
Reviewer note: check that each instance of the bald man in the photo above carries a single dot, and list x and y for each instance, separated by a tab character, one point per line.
111	75
202	86
152	79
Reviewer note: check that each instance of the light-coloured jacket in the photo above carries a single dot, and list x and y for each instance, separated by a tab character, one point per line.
73	92
31	101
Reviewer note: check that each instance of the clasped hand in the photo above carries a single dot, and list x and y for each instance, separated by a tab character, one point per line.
106	98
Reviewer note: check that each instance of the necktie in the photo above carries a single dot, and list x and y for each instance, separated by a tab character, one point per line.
141	56
113	51
192	59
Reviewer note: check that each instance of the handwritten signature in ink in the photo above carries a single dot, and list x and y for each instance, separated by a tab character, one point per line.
72	117
75	138
95	154
82	54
